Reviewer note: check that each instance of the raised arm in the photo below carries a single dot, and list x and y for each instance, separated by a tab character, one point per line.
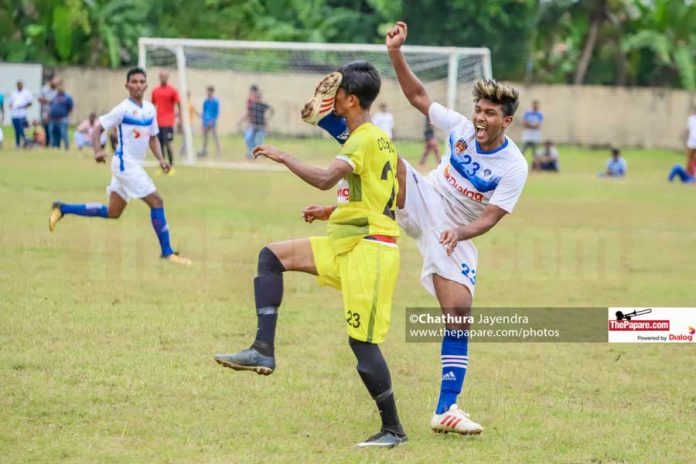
323	179
411	86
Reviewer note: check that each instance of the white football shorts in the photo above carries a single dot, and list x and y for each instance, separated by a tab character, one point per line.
131	183
423	218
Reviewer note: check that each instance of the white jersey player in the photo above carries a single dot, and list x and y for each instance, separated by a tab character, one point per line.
477	183
137	130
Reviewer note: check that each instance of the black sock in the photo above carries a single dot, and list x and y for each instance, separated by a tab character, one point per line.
268	291
374	373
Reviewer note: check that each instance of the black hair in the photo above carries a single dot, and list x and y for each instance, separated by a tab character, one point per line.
505	96
254	88
362	80
615	152
134	71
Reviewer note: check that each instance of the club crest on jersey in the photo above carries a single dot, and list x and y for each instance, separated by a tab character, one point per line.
460	146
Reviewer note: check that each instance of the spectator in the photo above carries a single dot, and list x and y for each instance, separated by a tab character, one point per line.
384	120
430	143
192	112
83	133
165	97
616	166
251	99
37	135
686	175
2	117
59	113
531	135
20	100
256	132
691	138
209	117
548	161
47	94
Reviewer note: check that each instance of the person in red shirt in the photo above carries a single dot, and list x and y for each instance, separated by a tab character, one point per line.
165	97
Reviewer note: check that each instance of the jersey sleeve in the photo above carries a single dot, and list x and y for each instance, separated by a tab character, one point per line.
510	188
112	119
175	97
353	153
444	118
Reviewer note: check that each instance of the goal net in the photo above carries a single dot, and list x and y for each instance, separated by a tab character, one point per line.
286	74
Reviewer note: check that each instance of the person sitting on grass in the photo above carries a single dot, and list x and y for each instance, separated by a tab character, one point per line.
686	175
548	160
616	166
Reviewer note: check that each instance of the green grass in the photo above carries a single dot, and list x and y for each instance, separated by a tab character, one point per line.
106	352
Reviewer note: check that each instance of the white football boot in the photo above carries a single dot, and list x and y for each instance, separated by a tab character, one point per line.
322	102
456	421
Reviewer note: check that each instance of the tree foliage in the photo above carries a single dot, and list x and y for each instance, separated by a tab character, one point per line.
608	42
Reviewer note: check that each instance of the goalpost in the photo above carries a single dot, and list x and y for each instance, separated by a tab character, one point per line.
287	72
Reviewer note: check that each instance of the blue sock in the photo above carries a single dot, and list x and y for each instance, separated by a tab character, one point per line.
86	209
161	229
455	359
336	126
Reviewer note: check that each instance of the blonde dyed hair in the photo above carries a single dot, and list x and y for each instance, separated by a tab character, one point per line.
501	94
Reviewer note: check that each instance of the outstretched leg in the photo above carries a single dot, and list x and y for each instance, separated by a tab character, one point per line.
113	211
274	259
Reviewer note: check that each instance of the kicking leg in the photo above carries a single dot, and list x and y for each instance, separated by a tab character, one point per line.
455	300
274	259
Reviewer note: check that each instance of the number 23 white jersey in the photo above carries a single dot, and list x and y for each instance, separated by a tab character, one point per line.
468	177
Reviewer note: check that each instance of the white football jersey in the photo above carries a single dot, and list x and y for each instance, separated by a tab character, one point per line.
468	177
136	124
691	121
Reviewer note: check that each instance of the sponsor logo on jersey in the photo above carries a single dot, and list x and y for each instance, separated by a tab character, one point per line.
476	196
136	134
343	192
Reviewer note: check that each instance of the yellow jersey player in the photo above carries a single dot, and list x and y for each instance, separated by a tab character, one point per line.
359	254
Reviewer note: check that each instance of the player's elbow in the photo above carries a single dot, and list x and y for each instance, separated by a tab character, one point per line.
325	183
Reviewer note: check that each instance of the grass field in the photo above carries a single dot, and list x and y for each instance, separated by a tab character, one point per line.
106	352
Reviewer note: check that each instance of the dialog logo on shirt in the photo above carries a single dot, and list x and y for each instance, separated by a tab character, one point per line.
343	192
460	146
136	134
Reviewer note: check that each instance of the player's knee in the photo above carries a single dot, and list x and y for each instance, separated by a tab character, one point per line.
269	263
457	317
114	213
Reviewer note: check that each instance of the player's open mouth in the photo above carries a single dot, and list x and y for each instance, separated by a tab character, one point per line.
480	131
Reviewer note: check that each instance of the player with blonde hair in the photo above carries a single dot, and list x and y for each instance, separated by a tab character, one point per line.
476	184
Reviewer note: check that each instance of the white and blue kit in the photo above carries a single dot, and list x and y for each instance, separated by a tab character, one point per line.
135	125
455	193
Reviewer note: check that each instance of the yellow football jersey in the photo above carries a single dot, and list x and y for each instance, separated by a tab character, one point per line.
366	196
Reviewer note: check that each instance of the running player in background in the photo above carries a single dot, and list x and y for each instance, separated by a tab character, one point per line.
359	255
477	183
137	129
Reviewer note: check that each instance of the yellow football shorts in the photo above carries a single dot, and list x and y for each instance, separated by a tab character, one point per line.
366	275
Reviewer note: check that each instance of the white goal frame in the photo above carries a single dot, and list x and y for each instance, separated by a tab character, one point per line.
176	46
